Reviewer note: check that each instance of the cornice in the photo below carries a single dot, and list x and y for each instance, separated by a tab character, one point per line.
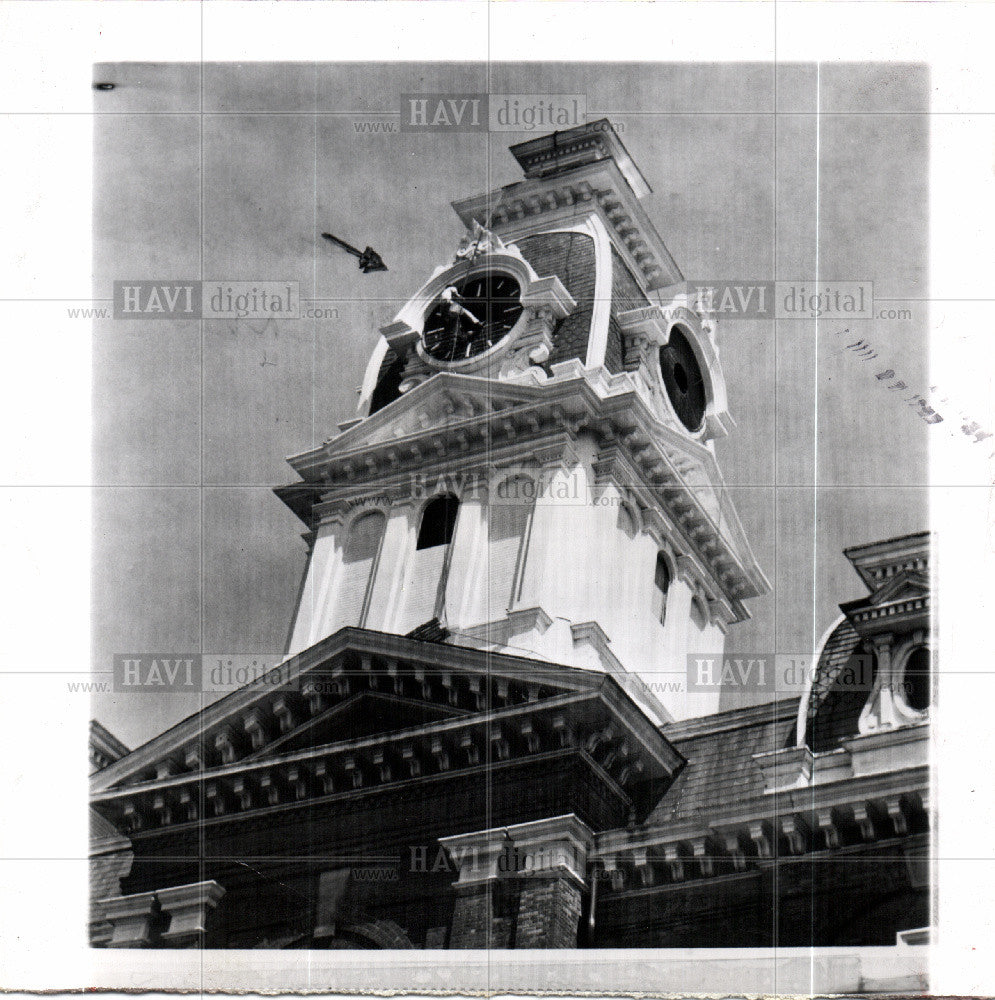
758	830
599	722
596	188
469	415
400	660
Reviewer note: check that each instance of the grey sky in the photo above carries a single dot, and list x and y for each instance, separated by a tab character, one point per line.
192	550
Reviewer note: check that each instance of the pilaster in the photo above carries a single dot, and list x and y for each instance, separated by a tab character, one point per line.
880	713
132	919
387	597
189	909
520	886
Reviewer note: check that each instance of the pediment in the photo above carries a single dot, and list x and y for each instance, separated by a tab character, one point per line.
905	585
349	686
445	399
366	713
459	710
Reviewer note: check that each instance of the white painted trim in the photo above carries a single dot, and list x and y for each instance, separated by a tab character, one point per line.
372	372
597	341
801	724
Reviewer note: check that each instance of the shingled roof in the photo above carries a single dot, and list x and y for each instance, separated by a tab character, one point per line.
721	773
834	709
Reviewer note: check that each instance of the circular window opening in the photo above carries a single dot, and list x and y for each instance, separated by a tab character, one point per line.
917	682
683	379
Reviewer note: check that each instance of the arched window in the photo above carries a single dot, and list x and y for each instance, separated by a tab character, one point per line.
438	522
917	680
431	562
359	560
508	517
661	584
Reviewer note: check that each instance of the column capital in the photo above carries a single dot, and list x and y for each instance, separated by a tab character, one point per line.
131	919
880	643
559	845
189	908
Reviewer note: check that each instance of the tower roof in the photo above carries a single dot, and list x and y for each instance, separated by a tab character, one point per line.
896	572
583	170
877	561
556	153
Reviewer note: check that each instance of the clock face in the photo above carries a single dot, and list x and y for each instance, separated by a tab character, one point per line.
471	316
683	380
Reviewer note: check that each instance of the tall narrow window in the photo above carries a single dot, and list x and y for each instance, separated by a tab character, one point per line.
358	565
508	516
431	563
661	584
438	522
917	680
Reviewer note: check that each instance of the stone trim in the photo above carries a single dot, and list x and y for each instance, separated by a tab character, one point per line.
509	415
558	845
857	813
597	715
184	910
131	918
599	189
189	908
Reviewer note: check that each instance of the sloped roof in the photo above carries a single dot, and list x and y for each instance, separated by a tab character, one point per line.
104	740
721	773
184	753
833	708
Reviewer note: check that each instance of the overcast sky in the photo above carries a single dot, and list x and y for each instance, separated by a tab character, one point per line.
193	552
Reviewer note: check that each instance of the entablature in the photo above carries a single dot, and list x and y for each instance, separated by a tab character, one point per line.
849	815
235	757
452	420
599	189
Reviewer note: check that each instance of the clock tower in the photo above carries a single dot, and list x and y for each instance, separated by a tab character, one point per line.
482	735
532	470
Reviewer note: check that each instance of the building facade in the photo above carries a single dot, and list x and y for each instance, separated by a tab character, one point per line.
472	742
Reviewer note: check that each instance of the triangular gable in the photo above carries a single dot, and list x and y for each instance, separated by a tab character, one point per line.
908	583
444	399
365	713
506	709
411	682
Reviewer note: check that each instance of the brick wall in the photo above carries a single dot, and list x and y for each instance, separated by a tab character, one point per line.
482	917
106	872
534	912
570	256
626	294
548	914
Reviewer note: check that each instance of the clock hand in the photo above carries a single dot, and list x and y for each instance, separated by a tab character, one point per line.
463	311
452	298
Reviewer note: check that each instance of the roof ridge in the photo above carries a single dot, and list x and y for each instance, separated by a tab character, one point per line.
733	718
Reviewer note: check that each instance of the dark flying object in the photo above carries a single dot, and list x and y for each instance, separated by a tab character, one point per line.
369	259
